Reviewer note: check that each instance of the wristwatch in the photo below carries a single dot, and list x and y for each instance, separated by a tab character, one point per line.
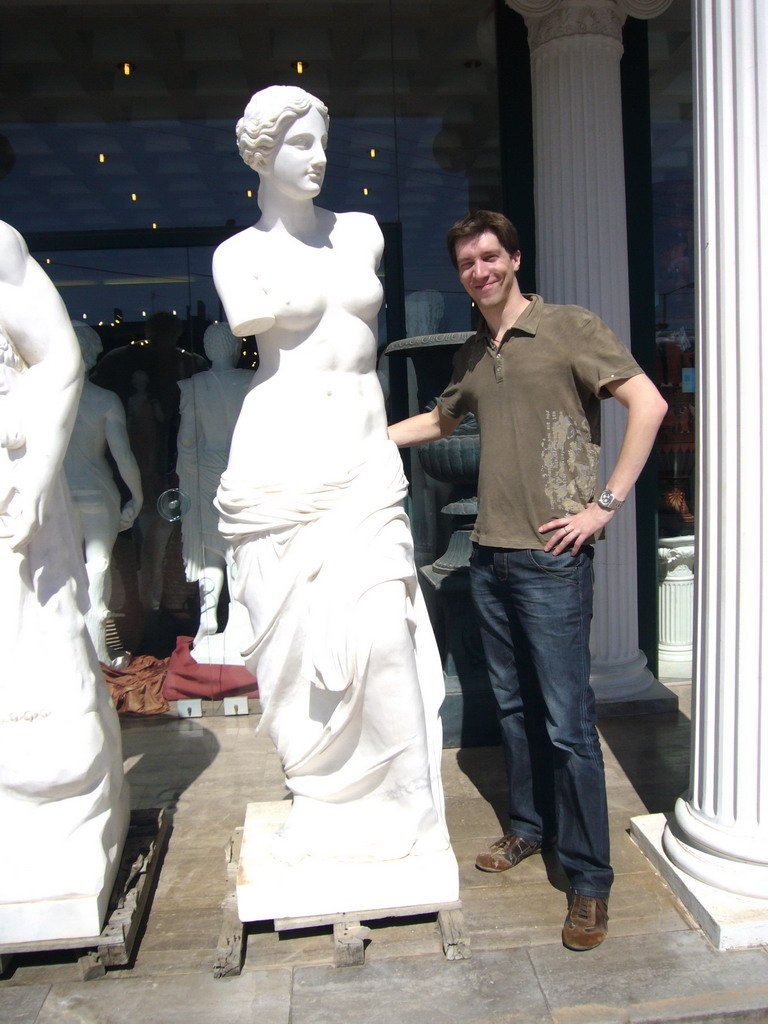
609	501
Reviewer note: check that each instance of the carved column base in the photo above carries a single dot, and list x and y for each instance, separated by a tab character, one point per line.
728	920
629	688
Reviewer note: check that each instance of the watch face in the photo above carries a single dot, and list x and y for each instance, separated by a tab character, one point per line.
606	499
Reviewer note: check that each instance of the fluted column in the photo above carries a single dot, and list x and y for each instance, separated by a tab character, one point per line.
719	834
581	245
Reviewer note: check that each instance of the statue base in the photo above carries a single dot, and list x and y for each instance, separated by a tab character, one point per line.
269	889
78	916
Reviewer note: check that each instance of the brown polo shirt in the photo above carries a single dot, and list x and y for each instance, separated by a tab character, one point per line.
537	402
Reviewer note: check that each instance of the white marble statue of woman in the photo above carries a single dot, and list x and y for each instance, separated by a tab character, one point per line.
210	406
63	802
100	425
349	675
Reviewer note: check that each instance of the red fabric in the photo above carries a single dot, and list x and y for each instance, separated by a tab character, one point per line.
186	678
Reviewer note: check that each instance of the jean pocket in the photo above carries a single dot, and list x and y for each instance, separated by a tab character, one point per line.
565	567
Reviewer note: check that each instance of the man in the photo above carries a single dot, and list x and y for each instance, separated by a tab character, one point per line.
534	375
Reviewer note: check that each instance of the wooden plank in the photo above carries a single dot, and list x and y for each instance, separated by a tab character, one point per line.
142	856
349	943
230	950
91	965
455	942
379	914
140	861
349	934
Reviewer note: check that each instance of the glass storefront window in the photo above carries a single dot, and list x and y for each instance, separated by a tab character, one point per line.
672	167
669	39
118	125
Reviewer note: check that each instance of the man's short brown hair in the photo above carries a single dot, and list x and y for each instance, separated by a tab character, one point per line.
478	223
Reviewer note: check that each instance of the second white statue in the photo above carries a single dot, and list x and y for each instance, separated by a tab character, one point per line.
349	675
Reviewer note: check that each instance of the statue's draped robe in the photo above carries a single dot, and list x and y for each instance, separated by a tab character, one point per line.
349	674
63	802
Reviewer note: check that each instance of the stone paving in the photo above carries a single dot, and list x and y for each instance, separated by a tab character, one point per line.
656	965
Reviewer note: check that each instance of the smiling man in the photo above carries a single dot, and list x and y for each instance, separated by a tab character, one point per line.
534	375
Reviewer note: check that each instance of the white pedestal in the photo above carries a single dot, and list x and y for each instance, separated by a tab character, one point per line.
79	917
729	921
65	917
268	889
676	607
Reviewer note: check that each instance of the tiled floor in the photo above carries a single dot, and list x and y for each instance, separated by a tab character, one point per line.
655	966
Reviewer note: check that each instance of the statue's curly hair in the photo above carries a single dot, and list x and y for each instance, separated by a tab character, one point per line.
218	340
90	343
267	117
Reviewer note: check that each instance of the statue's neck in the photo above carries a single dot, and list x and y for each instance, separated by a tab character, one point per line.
297	217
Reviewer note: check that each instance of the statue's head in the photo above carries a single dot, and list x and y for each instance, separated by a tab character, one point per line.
220	343
268	116
90	343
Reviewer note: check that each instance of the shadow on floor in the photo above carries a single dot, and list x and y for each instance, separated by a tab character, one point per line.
653	752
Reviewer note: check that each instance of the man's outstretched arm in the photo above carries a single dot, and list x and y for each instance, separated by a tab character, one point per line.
421	429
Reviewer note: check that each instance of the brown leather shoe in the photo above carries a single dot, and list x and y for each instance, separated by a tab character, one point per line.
586	923
506	852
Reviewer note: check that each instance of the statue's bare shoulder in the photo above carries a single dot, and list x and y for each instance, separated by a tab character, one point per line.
363	229
13	255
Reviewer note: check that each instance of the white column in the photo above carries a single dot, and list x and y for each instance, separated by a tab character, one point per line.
581	245
719	834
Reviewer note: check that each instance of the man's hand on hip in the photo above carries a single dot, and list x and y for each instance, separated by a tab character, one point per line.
575	531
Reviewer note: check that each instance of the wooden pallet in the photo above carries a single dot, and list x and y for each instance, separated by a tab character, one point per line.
142	855
349	933
230	950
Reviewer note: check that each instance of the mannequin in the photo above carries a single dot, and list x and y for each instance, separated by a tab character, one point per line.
349	675
210	405
100	425
63	803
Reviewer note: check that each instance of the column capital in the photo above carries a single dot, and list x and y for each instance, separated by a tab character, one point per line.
550	19
644	9
555	19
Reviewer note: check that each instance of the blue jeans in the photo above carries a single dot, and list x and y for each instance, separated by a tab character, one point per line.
535	610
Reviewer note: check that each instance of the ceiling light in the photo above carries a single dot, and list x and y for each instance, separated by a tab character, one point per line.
126	67
299	66
365	191
133	196
102	158
373	152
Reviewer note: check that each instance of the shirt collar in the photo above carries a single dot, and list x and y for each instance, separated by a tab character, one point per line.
527	323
